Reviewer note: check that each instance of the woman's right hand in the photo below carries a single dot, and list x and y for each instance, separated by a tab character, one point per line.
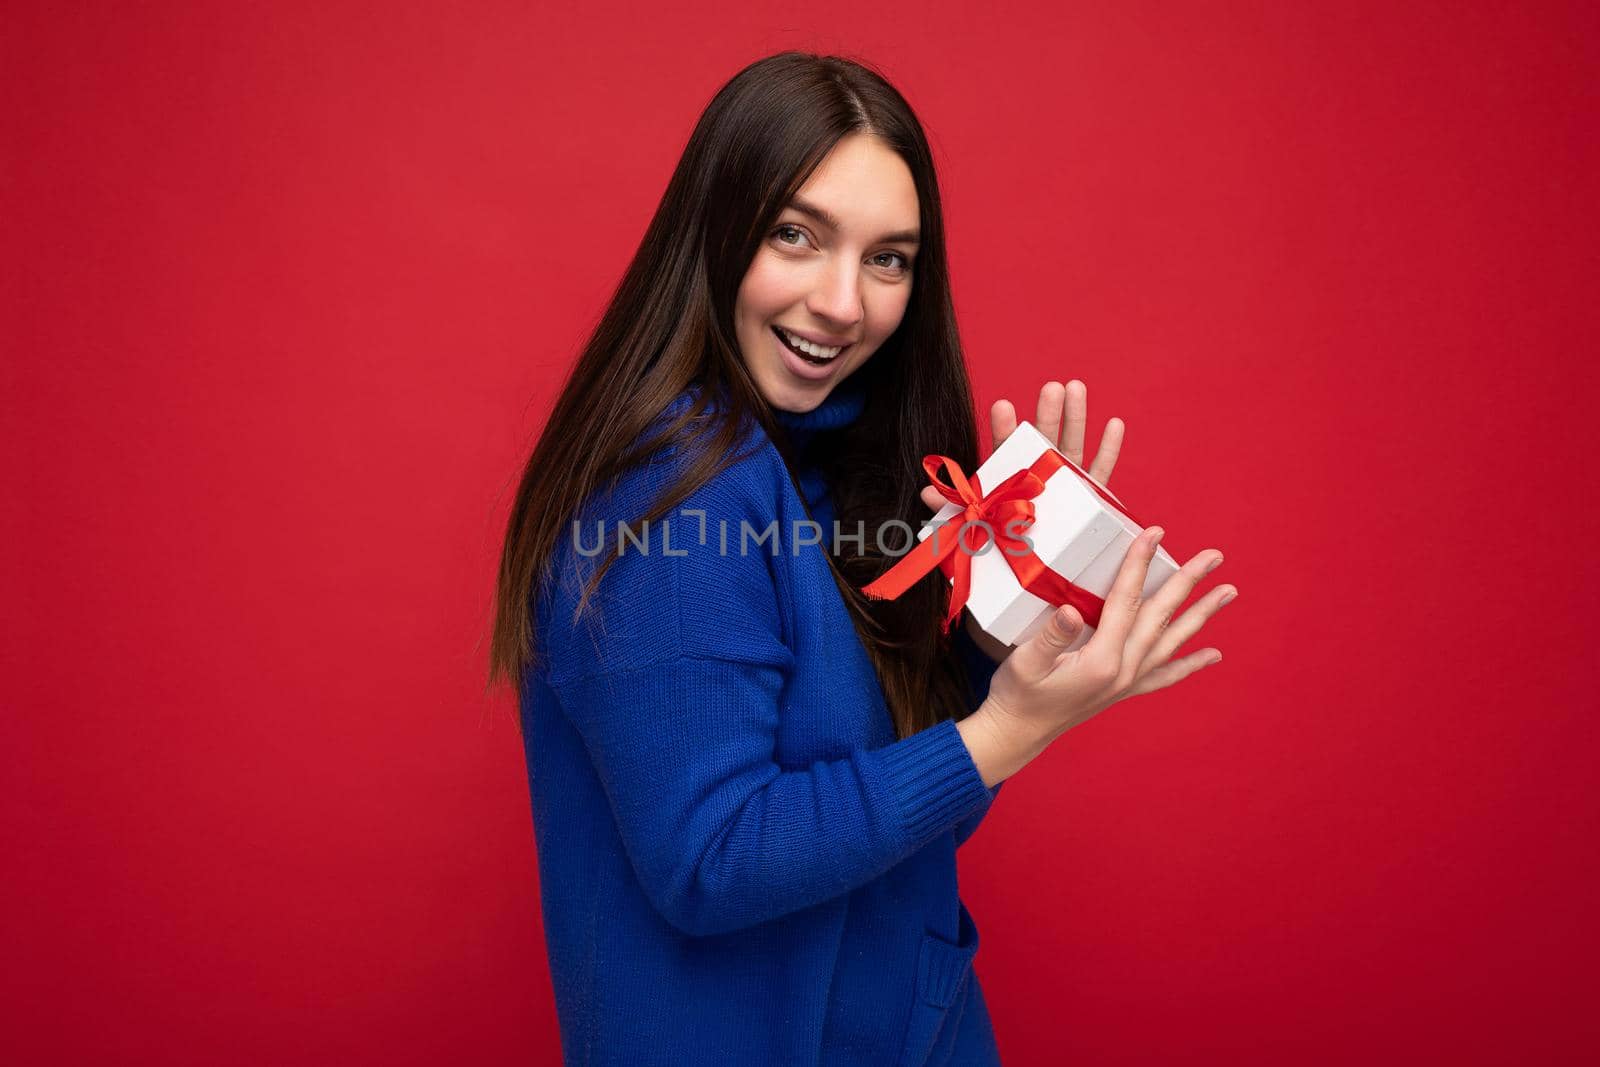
1042	690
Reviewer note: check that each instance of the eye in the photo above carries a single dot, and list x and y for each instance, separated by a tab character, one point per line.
905	263
787	228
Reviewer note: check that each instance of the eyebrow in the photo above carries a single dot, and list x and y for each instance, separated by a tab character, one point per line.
827	219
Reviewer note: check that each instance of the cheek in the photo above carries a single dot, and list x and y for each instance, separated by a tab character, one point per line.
886	316
765	289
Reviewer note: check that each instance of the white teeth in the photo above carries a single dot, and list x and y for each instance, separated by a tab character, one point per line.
808	348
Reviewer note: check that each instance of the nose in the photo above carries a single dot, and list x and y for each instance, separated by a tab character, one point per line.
836	298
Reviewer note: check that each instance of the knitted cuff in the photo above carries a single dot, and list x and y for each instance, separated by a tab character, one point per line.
933	780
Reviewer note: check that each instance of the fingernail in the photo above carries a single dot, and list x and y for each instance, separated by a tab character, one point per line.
1227	597
1214	564
1156	534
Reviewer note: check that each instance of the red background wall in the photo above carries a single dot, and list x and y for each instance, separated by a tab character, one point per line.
289	289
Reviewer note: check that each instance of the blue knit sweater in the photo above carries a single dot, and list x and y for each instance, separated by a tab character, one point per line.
738	861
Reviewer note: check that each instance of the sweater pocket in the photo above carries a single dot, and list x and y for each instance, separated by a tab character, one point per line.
942	970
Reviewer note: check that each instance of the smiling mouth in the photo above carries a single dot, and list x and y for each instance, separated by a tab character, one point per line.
815	361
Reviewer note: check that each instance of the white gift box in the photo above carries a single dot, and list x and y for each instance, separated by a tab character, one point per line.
1075	533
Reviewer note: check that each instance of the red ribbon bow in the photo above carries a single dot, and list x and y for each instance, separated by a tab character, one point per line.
1006	513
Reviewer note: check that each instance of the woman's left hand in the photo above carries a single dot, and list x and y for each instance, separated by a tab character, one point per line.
1055	400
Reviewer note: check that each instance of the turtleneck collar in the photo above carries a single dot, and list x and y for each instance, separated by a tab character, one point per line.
840	408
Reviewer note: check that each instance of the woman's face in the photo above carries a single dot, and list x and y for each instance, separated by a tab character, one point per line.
835	269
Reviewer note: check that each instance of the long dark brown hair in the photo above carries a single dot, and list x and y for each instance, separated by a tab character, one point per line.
670	324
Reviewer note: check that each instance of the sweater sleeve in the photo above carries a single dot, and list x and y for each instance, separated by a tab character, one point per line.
980	670
676	697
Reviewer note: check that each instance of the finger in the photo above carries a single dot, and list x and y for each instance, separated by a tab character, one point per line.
933	498
1187	625
1002	423
1157	611
1176	671
1110	448
1076	397
1036	657
1052	403
1127	593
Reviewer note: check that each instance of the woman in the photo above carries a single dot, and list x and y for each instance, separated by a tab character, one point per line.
749	780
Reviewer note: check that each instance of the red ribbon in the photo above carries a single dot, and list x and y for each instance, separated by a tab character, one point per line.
1005	513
